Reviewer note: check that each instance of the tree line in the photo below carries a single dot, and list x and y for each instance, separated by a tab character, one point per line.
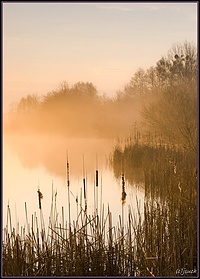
162	99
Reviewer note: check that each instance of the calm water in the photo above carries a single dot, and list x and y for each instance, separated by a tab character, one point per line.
34	161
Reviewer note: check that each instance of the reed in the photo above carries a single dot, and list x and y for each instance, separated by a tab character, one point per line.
156	244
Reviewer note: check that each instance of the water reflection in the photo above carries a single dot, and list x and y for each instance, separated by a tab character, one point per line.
51	152
130	163
30	162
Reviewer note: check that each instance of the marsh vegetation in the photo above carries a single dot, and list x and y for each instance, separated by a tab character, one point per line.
156	242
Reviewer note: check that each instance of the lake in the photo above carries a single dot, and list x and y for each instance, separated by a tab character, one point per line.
31	162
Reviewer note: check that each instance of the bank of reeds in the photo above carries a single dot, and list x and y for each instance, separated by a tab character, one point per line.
88	246
160	243
169	231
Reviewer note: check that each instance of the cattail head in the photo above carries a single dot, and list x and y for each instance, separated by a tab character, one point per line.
123	198
40	196
96	178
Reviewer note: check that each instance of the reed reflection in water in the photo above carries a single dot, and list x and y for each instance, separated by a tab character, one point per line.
32	162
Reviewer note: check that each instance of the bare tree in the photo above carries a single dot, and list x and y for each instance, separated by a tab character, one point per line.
174	115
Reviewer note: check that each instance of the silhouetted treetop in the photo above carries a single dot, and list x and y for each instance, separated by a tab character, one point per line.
180	65
79	92
28	104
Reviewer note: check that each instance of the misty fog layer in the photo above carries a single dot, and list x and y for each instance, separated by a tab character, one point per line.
161	101
73	112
